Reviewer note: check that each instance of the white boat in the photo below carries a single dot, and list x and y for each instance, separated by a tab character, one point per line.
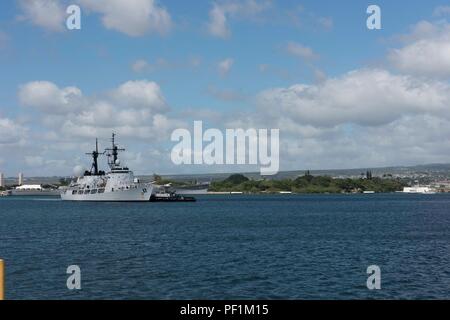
118	185
5	193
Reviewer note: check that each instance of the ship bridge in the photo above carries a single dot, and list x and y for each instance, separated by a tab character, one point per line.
120	170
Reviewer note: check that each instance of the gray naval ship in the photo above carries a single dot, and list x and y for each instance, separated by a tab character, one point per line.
117	185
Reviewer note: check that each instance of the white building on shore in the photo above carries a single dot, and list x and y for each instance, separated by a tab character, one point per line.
418	189
31	187
20	179
2	180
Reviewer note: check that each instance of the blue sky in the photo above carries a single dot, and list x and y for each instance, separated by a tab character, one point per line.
183	60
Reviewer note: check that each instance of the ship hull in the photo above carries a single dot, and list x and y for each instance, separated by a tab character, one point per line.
31	193
136	195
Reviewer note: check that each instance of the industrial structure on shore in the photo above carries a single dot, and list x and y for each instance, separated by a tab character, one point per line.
22	189
20	180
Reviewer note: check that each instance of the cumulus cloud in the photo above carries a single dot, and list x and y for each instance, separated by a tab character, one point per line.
319	75
48	97
140	95
410	140
132	17
366	117
47	14
11	132
426	51
300	51
221	12
368	97
224	66
134	109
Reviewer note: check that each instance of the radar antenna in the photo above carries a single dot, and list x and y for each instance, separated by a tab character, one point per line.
114	152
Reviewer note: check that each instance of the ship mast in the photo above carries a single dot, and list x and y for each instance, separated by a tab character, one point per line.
95	155
115	152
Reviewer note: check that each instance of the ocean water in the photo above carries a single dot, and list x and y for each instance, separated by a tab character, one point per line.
229	247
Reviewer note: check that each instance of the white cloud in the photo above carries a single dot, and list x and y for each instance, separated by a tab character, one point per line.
410	140
319	75
134	109
365	97
11	132
426	51
140	65
224	66
141	95
48	14
364	118
132	17
222	11
300	51
46	96
218	22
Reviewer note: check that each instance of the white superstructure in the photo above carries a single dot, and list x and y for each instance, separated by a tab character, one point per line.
418	189
117	185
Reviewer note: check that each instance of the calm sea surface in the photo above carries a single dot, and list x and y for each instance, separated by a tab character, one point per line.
229	247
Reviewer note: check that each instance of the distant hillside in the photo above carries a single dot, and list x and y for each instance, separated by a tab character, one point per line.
423	173
431	171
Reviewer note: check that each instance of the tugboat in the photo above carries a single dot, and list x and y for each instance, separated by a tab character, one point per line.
118	185
165	194
6	193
